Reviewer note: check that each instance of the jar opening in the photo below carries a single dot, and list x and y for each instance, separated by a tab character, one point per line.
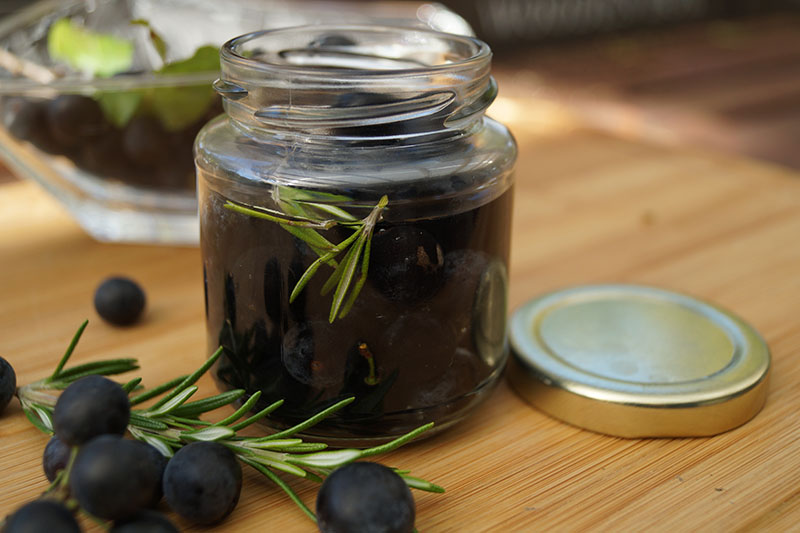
352	52
355	82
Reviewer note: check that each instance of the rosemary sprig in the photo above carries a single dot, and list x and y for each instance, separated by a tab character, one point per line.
173	421
302	214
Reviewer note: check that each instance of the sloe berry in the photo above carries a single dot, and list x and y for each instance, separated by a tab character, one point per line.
8	383
55	458
119	301
114	478
27	120
331	39
24	118
73	118
160	464
104	156
91	406
147	521
41	515
365	497
202	482
145	141
406	263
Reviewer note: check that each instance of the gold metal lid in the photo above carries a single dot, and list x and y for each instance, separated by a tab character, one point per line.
636	361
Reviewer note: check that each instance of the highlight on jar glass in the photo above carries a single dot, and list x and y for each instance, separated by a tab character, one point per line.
355	211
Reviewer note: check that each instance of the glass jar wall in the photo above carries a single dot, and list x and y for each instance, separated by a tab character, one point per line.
355	208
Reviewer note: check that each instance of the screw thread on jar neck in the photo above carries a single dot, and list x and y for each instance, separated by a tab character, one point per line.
355	83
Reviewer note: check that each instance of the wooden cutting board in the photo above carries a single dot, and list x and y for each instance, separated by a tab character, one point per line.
589	208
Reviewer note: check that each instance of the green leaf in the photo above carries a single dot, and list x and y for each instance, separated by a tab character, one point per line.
158	42
362	278
326	459
187	423
103	368
275	444
351	263
180	106
198	407
158	444
36	421
71	348
333	280
241	411
337	212
396	443
131	385
304	195
95	54
306	447
119	106
45	417
311	270
276	464
319	244
211	433
421	484
282	484
152	393
302	426
189	380
300	447
258	416
312	238
173	403
138	420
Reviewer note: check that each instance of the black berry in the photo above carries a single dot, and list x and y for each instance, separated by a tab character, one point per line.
202	482
74	118
160	464
8	383
55	458
89	407
331	39
104	156
27	120
114	478
145	141
119	300
41	516
406	263
365	497
147	521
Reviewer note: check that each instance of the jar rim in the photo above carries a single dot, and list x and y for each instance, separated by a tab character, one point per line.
480	52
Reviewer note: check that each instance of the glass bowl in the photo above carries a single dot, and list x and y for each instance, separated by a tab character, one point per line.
115	148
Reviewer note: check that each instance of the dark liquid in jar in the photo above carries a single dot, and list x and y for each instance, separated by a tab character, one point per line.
424	341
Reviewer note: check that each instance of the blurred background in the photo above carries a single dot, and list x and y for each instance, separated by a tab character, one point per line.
714	74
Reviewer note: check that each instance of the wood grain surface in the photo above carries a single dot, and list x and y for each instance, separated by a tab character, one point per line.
588	208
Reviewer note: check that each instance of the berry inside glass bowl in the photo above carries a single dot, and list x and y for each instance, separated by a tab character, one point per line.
101	100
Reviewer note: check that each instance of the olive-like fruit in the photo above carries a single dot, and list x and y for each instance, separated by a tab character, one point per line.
91	406
202	482
114	478
365	497
8	383
119	301
42	516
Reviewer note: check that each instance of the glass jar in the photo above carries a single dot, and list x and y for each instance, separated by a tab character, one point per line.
355	210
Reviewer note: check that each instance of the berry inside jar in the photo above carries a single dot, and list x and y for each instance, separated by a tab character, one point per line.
422	340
